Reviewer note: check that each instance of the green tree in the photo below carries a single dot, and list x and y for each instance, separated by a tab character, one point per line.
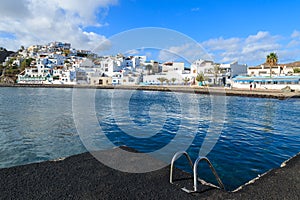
173	80
271	60
26	63
296	70
186	80
200	78
162	80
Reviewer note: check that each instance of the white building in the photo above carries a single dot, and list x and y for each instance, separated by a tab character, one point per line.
35	74
264	82
172	77
62	75
264	70
131	78
173	66
219	74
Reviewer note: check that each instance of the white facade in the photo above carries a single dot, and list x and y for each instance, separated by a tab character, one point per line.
117	78
219	74
263	70
263	82
176	75
173	66
131	79
233	69
61	75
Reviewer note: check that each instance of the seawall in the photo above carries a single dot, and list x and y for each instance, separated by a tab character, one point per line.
258	93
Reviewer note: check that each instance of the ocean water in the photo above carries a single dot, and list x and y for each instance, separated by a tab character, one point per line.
242	137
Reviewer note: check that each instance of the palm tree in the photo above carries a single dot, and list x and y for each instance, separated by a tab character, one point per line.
272	60
186	80
200	78
162	80
173	80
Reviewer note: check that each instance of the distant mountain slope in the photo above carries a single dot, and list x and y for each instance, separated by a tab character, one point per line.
293	64
4	53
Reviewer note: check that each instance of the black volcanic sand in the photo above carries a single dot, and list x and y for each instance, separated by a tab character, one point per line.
83	177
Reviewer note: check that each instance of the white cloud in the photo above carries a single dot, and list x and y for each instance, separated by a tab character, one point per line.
195	9
295	34
293	43
221	44
252	49
260	36
133	52
186	52
16	8
42	21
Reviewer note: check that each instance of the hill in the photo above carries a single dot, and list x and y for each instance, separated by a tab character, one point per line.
293	64
4	53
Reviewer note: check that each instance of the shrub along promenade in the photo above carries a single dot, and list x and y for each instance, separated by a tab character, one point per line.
84	177
259	93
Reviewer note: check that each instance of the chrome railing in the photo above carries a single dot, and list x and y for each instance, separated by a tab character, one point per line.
194	168
212	169
175	157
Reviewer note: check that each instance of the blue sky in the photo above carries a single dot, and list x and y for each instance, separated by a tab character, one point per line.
228	30
206	19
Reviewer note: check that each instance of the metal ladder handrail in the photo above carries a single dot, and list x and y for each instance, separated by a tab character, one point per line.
200	158
175	157
194	168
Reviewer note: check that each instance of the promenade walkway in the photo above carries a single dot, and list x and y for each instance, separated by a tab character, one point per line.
260	93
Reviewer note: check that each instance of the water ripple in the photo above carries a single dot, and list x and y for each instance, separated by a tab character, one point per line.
36	124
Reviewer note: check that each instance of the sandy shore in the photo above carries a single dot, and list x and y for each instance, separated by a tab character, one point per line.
278	94
83	177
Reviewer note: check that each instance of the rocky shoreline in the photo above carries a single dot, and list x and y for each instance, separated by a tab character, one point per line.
277	94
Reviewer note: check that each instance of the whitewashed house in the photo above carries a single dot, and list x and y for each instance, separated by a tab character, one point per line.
37	73
218	74
264	70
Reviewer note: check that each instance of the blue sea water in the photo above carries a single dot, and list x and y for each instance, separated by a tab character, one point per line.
36	124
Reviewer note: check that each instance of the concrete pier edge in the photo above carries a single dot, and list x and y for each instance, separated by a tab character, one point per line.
83	177
258	93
